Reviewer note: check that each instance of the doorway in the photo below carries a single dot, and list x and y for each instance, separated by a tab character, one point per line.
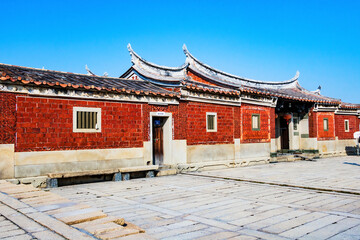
284	134
158	139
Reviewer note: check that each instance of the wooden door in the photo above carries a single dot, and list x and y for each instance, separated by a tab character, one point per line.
284	128
158	141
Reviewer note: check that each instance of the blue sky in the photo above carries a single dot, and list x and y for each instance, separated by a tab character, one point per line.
264	40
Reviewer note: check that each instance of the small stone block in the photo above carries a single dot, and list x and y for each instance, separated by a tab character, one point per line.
52	183
150	174
126	176
117	177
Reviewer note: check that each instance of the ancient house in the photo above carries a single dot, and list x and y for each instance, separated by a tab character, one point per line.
188	117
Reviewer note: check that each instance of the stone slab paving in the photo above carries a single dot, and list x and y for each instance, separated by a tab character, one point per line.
45	215
337	173
203	207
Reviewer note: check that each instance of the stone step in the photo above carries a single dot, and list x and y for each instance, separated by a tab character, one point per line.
166	172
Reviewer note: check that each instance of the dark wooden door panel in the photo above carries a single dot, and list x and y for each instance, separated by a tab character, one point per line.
158	140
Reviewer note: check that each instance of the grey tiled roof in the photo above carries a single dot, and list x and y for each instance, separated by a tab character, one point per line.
49	78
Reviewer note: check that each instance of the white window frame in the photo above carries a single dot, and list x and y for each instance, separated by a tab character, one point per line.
258	121
86	109
327	124
348	125
215	122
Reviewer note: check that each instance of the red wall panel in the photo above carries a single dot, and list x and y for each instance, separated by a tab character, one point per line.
255	136
340	126
196	124
312	124
47	124
7	118
272	123
326	135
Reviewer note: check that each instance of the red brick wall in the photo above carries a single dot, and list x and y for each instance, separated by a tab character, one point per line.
237	122
325	135
47	124
7	118
255	136
179	132
272	122
312	124
196	124
199	79
340	126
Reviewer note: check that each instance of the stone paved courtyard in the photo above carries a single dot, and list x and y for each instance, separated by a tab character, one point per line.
217	205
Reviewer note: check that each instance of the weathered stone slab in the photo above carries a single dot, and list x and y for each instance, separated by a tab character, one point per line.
117	233
67	209
81	174
30	194
53	206
102	228
99	221
59	227
139	168
83	217
47	235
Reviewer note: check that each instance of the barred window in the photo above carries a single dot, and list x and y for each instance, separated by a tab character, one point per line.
326	124
255	122
211	122
86	119
347	128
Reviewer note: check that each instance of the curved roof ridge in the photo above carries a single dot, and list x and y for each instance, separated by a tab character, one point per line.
211	69
134	56
317	94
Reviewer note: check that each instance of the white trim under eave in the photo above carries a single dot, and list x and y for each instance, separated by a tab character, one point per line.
213	101
342	112
258	102
325	108
82	95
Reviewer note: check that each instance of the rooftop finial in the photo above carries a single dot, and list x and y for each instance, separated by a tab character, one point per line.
317	91
185	48
129	47
297	74
89	72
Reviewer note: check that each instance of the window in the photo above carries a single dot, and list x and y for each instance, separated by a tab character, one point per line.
255	122
86	119
347	126
295	119
326	124
211	122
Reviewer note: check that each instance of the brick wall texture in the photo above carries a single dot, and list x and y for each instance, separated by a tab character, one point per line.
44	124
248	135
196	124
47	124
312	124
322	134
197	78
340	126
7	118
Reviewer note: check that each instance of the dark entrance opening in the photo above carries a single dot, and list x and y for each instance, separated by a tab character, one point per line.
284	134
158	139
